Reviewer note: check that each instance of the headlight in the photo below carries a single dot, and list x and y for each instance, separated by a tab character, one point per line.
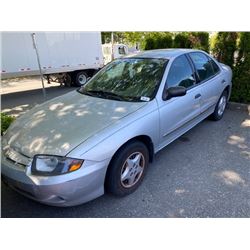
54	165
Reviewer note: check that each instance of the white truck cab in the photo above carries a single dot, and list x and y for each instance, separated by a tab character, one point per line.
119	50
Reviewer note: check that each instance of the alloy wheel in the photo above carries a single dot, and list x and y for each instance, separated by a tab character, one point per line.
222	105
132	169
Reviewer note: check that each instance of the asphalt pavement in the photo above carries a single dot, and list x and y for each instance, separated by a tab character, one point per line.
21	94
205	173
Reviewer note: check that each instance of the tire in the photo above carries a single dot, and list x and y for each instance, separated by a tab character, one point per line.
123	178
220	107
81	78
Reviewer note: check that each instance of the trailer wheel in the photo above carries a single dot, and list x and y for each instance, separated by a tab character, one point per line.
81	78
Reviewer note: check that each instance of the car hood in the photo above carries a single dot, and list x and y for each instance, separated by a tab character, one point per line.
58	126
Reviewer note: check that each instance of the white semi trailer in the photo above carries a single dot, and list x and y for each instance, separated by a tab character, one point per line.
65	57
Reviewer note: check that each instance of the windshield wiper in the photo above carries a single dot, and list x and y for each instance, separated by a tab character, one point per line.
111	95
105	94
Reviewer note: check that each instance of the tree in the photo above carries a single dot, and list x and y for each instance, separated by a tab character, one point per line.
199	40
134	38
244	45
195	40
241	70
118	37
225	45
149	43
241	85
129	38
164	40
106	37
158	40
181	40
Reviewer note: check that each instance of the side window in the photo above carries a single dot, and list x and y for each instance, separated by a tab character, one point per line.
180	73
202	65
215	66
121	50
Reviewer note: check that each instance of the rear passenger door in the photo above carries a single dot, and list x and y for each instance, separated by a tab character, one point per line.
209	78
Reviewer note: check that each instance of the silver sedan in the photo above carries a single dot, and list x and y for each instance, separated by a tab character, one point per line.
102	137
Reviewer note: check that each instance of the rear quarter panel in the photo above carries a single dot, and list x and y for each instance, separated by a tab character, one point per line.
227	75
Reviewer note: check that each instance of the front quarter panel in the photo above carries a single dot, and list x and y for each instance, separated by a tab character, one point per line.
101	147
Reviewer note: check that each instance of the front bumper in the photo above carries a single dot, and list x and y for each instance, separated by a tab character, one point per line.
70	189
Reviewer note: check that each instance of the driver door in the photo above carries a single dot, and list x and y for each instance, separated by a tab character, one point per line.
177	113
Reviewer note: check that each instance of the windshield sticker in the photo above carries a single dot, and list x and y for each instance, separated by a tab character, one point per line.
145	99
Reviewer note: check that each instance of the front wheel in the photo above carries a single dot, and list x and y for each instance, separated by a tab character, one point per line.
220	107
127	169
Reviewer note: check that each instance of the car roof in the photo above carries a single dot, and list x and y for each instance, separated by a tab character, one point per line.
162	53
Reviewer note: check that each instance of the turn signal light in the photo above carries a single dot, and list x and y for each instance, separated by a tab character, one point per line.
75	166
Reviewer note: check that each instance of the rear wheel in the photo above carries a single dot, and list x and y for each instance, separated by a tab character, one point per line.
220	107
127	169
81	78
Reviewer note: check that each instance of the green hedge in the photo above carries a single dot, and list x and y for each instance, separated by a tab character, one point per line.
233	49
6	120
241	81
158	40
181	40
161	40
224	47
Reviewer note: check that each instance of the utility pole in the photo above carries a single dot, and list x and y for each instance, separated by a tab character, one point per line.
112	46
33	35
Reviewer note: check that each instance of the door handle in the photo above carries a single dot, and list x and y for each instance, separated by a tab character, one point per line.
197	96
223	81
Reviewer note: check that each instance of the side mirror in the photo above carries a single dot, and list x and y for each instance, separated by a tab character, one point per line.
174	92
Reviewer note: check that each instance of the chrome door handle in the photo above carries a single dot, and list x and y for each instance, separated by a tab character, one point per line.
197	96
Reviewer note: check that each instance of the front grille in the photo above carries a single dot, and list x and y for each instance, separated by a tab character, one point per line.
17	158
16	163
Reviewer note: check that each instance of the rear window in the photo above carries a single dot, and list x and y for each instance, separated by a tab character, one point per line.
202	64
215	66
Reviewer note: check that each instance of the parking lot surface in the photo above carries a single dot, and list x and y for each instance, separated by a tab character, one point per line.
205	173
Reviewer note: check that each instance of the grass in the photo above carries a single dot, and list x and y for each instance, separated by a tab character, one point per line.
6	120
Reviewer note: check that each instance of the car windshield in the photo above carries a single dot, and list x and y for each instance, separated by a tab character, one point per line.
127	79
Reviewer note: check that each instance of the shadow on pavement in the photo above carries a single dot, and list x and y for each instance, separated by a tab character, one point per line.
18	103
